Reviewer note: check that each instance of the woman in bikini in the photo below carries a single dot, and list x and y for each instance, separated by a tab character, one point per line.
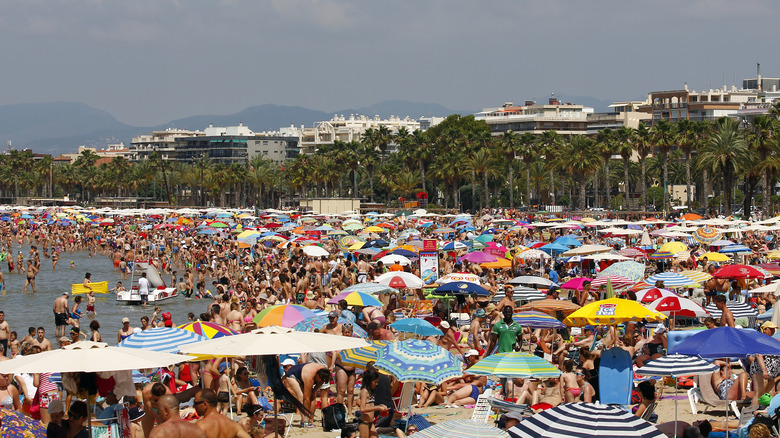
345	375
587	391
571	388
366	426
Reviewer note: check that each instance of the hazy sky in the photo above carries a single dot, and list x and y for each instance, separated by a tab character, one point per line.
150	61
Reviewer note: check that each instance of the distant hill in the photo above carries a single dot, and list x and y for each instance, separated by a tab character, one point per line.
59	127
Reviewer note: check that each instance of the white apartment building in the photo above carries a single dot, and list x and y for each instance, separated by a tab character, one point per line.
349	129
564	118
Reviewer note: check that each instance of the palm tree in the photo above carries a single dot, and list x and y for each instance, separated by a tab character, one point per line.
665	136
624	137
578	158
605	144
156	159
725	151
643	148
482	162
202	164
527	151
763	128
510	143
549	145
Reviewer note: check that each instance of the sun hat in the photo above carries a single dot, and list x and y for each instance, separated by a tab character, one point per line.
444	324
768	324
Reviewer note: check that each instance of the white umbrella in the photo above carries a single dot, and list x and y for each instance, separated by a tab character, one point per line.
315	251
391	259
90	357
587	250
530	280
272	340
400	279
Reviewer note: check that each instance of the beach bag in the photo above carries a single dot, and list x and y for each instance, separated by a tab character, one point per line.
334	417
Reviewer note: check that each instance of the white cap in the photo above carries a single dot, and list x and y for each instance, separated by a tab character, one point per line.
288	362
471	352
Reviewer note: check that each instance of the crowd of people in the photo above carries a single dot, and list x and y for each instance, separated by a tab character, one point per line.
237	279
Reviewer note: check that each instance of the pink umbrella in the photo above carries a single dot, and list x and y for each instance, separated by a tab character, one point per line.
479	257
678	306
651	294
575	283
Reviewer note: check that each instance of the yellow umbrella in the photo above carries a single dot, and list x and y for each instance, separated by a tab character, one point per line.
612	311
498	264
697	276
374	229
673	247
356	246
715	257
774	255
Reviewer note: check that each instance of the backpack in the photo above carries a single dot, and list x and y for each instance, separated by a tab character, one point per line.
334	417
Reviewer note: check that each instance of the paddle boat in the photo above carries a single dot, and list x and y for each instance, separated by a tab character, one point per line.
158	291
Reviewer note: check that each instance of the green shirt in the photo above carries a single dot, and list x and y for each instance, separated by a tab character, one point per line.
507	335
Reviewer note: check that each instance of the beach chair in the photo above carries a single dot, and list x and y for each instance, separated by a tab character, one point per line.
482	409
649	411
703	392
281	423
404	399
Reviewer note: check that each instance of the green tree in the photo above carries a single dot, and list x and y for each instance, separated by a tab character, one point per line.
725	151
624	139
763	128
665	137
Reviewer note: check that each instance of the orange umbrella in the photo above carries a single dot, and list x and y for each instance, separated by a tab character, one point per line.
691	217
498	264
550	306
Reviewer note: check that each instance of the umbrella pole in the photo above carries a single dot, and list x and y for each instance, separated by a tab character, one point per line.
89	417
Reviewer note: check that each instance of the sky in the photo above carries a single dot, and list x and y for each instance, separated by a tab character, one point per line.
148	62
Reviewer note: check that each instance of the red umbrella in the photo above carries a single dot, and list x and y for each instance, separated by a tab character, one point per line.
272	225
738	272
678	306
652	294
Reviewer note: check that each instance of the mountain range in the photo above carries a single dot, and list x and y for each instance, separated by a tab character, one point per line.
61	127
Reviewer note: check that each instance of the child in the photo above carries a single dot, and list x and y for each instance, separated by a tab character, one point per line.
14	344
571	387
223	395
72	264
91	303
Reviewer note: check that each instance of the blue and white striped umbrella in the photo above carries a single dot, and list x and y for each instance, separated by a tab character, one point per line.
675	365
370	288
415	360
163	339
581	420
670	279
738	309
738	249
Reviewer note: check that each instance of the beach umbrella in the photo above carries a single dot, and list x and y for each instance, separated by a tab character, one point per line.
550	306
617	281
272	340
462	288
454	246
696	276
415	360
418	326
678	306
706	235
587	250
345	242
736	249
514	365
727	342
629	269
320	321
444	230
536	319
690	217
653	293
533	281
283	315
498	264
208	329
670	279
738	309
575	283
612	311
738	272
554	248
315	251
16	425
371	288
392	259
461	429
400	280
632	252
459	276
774	255
355	298
714	257
772	268
673	247
583	420
531	254
522	294
661	255
165	339
568	240
361	356
478	257
90	357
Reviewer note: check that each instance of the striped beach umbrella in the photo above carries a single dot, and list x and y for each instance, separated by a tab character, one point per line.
282	315
661	255
582	420
208	329
514	364
536	319
523	294
696	276
415	360
163	339
735	249
320	321
632	252
360	357
706	235
677	365
670	279
738	309
355	298
617	281
371	288
461	429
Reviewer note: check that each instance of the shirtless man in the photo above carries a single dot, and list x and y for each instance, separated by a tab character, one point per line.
509	299
5	331
32	271
41	341
170	424
363	267
475	329
333	327
303	381
61	314
726	317
447	339
212	423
